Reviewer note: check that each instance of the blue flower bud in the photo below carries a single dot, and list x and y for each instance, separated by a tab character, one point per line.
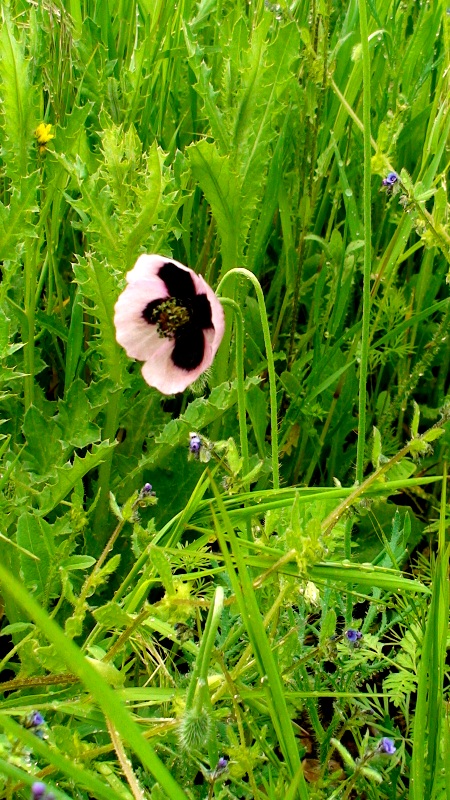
37	790
35	719
195	443
353	635
386	746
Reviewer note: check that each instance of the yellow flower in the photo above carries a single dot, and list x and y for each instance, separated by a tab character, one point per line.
43	135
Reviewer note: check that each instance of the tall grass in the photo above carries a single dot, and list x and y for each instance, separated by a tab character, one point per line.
220	618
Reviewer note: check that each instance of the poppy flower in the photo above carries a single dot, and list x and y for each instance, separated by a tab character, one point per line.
168	317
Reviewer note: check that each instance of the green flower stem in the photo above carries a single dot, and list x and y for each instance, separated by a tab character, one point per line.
104	473
270	363
200	672
240	382
367	242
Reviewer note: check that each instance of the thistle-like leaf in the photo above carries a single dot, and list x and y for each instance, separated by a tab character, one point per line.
69	474
18	119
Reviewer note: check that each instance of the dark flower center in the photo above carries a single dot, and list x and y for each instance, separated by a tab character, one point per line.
182	317
168	316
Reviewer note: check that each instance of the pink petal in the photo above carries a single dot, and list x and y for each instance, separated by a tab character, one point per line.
161	372
141	340
146	268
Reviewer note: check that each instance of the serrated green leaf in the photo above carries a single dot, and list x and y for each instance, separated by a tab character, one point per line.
205	89
217	180
68	475
149	202
75	417
162	566
433	434
97	285
43	450
17	111
112	616
15	221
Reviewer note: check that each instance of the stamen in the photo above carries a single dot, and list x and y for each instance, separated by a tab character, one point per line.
169	316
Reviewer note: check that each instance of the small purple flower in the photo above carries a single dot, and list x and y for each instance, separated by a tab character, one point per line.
195	443
353	635
390	180
37	790
391	183
221	766
386	746
146	491
35	719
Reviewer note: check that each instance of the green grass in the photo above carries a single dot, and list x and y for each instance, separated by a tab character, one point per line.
159	634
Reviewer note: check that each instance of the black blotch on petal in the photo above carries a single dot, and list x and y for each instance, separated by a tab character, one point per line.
189	347
149	309
178	282
201	309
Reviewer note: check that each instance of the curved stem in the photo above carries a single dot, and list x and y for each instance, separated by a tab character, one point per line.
270	363
367	242
240	383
